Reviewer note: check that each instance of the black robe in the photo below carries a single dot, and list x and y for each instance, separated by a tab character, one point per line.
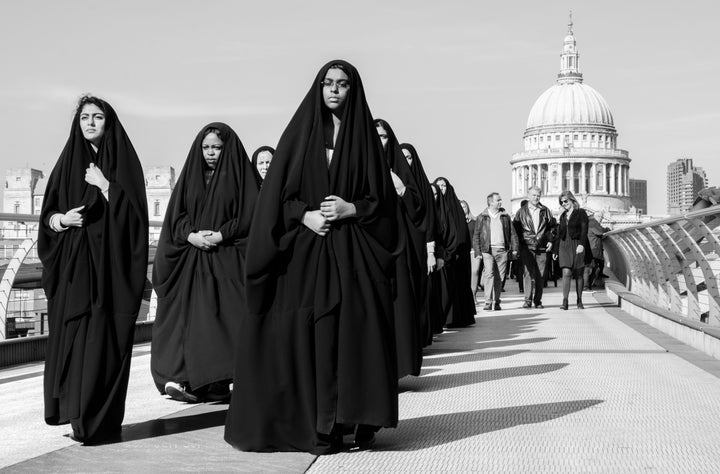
439	303
318	346
201	294
457	295
94	277
430	234
410	268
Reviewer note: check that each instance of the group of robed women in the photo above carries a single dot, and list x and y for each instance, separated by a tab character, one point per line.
311	291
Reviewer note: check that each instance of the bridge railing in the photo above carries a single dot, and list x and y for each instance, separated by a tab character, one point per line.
23	306
672	263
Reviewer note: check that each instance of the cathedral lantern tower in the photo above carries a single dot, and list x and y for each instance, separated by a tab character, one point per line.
570	142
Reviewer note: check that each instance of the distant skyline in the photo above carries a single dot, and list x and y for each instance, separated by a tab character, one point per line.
455	78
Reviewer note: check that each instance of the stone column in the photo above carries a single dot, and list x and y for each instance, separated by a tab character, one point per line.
583	183
513	194
612	179
593	178
571	187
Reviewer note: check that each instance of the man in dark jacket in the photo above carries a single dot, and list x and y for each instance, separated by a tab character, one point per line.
493	238
534	225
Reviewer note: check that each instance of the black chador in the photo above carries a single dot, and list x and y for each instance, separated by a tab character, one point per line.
317	349
411	268
93	276
201	291
430	237
457	295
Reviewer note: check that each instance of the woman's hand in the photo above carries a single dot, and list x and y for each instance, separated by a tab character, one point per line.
72	218
335	208
212	236
580	249
316	222
440	264
555	256
94	176
431	263
198	240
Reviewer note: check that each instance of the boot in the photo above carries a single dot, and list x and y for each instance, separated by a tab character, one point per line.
564	304
579	304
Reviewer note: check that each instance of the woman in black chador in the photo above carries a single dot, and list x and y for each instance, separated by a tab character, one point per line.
432	242
93	244
410	271
457	296
262	158
317	351
199	267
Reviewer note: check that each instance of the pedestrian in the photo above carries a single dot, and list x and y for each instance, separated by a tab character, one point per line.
262	158
534	225
495	241
570	246
316	354
93	244
596	234
439	286
199	267
457	266
475	259
429	225
410	272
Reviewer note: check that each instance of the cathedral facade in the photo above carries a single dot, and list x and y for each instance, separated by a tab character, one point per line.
570	142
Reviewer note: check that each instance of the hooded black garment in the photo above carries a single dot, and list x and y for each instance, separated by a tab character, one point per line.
410	269
94	277
318	346
456	290
260	150
431	234
201	294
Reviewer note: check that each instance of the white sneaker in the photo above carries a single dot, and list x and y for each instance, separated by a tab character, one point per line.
178	392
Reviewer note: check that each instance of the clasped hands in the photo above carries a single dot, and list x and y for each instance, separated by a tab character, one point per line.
205	239
333	208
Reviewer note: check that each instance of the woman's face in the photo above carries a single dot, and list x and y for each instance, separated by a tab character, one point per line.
408	156
442	185
434	188
212	148
566	203
383	135
92	123
335	89
263	162
464	207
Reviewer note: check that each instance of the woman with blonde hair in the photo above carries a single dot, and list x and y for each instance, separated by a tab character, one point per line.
571	246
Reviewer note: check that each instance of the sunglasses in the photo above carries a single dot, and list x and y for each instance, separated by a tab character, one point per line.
564	201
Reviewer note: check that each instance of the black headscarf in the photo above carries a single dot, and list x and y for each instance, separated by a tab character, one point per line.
114	236
455	228
423	184
224	204
257	152
301	180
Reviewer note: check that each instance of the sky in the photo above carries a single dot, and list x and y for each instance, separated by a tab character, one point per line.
455	78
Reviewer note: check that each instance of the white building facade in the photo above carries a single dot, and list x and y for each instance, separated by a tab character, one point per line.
570	142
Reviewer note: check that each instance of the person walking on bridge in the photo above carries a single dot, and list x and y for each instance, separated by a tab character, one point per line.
534	225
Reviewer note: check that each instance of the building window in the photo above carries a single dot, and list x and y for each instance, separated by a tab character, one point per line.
584	136
557	138
575	137
17	207
541	139
157	208
592	137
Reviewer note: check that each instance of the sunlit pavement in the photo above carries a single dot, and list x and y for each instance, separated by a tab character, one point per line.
523	390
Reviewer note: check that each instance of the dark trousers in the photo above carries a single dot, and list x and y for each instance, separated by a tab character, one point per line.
533	280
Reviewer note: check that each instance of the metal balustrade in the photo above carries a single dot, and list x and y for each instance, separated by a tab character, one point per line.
23	306
672	263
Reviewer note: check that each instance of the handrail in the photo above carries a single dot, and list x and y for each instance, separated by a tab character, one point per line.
673	263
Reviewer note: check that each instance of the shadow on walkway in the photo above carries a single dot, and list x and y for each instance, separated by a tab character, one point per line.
442	382
429	431
174	425
461	358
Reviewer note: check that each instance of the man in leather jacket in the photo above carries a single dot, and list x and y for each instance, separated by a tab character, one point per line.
534	224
